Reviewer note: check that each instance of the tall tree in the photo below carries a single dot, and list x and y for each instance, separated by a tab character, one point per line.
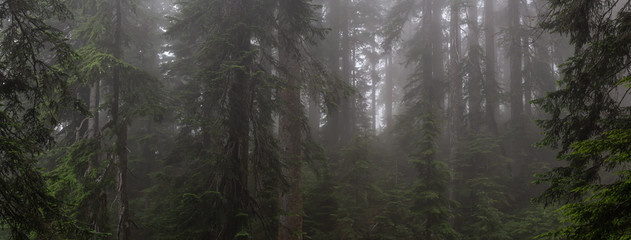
421	120
120	128
474	68
33	90
491	88
515	56
589	123
292	23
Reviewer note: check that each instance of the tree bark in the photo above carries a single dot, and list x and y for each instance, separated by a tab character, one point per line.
475	73
388	93
347	125
289	125
455	96
314	115
234	184
375	80
515	55
120	128
491	87
332	131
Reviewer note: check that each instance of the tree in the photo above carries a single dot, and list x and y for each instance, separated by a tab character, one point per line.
588	121
473	69
293	21
515	56
84	173
421	121
491	88
33	90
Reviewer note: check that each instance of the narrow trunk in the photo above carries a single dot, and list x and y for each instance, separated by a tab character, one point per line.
528	74
373	107
490	85
515	55
387	93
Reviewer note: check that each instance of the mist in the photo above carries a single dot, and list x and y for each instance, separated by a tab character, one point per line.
314	119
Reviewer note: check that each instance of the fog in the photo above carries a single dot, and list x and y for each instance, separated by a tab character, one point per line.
298	119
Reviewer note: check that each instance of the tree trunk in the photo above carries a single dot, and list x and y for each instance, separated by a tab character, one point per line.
475	73
490	85
93	122
314	115
455	96
373	102
387	93
120	128
290	227
234	184
332	131
515	55
98	214
528	75
347	126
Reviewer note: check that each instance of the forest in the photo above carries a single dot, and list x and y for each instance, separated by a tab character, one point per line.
315	119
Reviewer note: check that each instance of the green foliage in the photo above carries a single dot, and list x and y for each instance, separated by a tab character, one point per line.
34	60
80	181
589	123
530	222
480	177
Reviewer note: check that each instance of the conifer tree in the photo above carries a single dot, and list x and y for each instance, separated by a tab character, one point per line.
423	114
588	122
35	60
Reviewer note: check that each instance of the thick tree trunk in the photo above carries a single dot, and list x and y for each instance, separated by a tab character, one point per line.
289	125
515	55
475	73
120	128
234	184
93	122
347	126
529	71
98	214
332	131
314	116
491	87
438	66
456	109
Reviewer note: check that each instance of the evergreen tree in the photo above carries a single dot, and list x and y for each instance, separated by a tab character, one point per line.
588	121
423	116
33	91
85	174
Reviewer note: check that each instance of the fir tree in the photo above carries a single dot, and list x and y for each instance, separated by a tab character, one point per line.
588	122
33	91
